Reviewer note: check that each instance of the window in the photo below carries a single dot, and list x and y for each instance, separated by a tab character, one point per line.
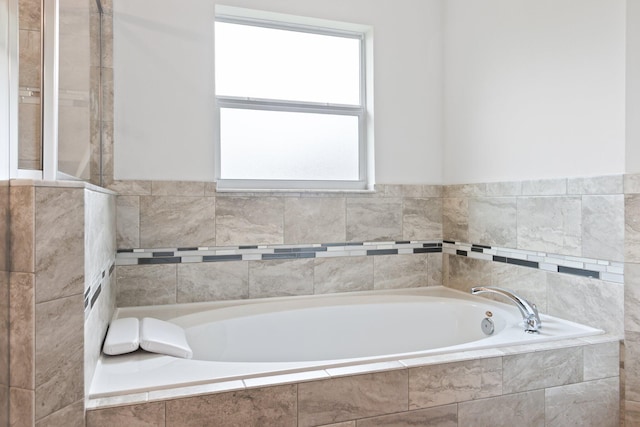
291	106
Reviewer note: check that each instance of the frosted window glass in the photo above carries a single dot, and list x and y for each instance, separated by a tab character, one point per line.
257	62
280	145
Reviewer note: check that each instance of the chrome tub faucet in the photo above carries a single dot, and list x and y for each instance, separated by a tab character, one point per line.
529	311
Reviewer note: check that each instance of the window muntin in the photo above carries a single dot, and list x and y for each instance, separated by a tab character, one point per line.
291	106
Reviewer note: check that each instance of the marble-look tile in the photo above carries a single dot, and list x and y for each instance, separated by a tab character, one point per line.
374	219
422	219
128	222
529	283
22	231
429	191
632	297
542	369
21	407
601	361
146	285
70	416
632	183
544	187
59	354
343	274
464	190
550	224
434	269
311	220
387	190
492	221
5	217
95	328
343	424
348	398
210	189
4	405
588	301
593	403
504	189
281	278
443	416
107	41
603	227
245	220
21	330
177	188
107	6
30	15
608	184
107	94
5	330
400	271
177	221
213	281
30	68
454	382
465	273
632	228
59	225
508	410
99	233
632	366
144	415
631	414
131	188
270	406
455	219
29	136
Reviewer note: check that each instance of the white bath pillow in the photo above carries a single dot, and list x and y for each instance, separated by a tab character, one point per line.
158	336
123	336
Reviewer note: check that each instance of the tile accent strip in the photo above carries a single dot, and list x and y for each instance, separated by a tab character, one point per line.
93	292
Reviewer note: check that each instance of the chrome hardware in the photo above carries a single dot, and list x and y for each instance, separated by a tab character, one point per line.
487	326
529	311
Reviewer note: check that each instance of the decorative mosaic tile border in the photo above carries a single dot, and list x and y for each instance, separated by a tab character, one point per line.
272	252
92	293
586	267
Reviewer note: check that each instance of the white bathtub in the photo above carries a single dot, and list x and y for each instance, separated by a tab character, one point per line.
257	338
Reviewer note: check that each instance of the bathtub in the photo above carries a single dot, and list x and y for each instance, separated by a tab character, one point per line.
250	339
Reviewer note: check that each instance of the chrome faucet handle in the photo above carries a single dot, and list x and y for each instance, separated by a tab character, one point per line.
529	311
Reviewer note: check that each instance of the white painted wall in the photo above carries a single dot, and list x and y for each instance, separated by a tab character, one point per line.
164	94
633	87
533	89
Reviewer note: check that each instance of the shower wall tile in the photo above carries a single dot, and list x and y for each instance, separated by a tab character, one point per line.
544	187
492	221
530	283
434	269
59	240
177	188
59	354
213	281
632	413
107	39
177	221
504	189
454	382
603	227
455	219
465	273
22	231
244	220
21	407
5	338
70	416
146	285
632	366
144	415
128	222
601	361
107	94
131	188
374	219
422	219
590	403
343	274
508	410
21	327
543	369
29	13
632	297
30	69
464	190
280	278
632	228
311	220
609	184
443	416
272	406
550	224
400	271
347	398
29	136
632	184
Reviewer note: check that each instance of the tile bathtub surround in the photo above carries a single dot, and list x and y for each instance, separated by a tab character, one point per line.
478	390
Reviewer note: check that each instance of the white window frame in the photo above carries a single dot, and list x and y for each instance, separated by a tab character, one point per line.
364	182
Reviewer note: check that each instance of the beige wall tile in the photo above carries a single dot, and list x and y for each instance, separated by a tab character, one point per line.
213	281
22	327
508	410
70	416
465	273
281	278
492	221
314	220
601	361
344	274
5	328
177	188
244	220
21	407
455	219
145	415
603	227
272	406
131	188
29	13
177	221
59	225
30	68
530	283
464	190
422	219
107	40
374	219
128	222
29	136
544	187
610	184
146	284
4	404
593	403
344	424
632	366
632	413
348	398
454	382
632	183
632	228
434	269
107	94
503	189
400	271
22	231
632	297
443	416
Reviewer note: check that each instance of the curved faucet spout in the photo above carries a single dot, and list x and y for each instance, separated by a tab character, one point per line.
529	311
